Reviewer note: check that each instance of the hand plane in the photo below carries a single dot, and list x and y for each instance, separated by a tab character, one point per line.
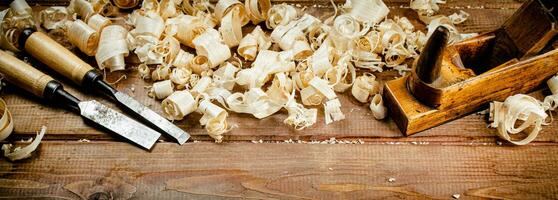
450	81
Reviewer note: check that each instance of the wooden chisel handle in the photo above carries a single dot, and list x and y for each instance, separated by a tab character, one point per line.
28	78
23	75
54	55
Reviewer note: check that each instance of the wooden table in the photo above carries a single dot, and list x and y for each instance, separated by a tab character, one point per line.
462	157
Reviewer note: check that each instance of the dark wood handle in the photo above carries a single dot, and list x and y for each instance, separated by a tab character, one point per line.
23	75
54	55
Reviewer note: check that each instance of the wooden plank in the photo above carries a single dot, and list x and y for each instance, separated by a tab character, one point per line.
29	114
282	171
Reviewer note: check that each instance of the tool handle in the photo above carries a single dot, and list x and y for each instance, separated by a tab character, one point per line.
54	55
23	75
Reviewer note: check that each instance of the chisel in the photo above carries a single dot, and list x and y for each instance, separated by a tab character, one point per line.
25	76
54	55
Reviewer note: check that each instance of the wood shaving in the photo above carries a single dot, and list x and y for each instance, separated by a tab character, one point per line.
179	104
365	87
20	153
280	14
81	8
257	10
214	119
162	89
518	107
112	48
368	11
231	28
210	45
53	17
6	121
180	77
225	7
377	107
426	7
126	4
83	36
13	21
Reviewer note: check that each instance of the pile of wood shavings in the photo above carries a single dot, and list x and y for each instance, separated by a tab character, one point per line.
299	65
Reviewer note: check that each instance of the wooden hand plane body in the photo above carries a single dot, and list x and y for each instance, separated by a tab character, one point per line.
448	82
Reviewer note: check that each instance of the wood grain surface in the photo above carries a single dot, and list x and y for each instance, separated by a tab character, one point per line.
461	157
283	171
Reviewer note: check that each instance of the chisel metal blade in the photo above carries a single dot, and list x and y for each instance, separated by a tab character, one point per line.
150	116
119	123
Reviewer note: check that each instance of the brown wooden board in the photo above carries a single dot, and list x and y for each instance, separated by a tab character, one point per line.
282	171
460	157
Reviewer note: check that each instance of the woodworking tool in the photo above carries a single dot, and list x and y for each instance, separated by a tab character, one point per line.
447	82
25	76
54	55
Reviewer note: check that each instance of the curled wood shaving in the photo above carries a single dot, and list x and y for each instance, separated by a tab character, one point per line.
214	119
162	72
248	47
311	96
257	10
82	8
332	110
126	4
323	87
201	86
365	87
551	102
168	9
553	84
199	64
162	89
53	17
299	117
193	7
368	11
346	29
20	7
518	107
6	121
224	77
342	75
280	14
377	107
20	153
98	22
187	28
210	45
426	7
224	7
83	36
255	101
179	104
317	35
182	59
144	71
231	28
112	48
180	77
253	42
266	64
13	21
